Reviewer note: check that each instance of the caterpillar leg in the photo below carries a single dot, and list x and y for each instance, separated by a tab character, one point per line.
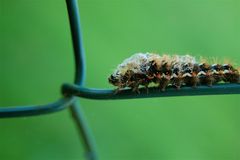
146	87
118	90
235	77
194	85
209	84
195	82
177	82
135	88
218	78
208	81
177	86
191	81
163	84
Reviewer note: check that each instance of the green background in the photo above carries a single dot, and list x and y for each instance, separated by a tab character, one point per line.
36	58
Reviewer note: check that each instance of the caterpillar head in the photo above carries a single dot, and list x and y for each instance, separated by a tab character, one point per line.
114	80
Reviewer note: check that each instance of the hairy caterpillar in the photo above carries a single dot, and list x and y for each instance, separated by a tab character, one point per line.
145	68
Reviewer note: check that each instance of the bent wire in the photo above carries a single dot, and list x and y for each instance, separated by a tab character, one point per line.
22	111
78	116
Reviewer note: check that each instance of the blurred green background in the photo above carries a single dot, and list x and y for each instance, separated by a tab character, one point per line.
36	58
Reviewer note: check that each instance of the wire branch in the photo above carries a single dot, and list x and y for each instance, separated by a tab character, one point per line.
23	111
107	94
84	130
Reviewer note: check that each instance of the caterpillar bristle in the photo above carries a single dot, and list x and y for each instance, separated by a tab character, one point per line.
141	69
203	60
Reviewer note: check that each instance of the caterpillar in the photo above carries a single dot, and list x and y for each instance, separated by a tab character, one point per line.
141	69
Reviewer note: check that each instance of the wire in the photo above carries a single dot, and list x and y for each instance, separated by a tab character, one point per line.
23	111
107	94
79	55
